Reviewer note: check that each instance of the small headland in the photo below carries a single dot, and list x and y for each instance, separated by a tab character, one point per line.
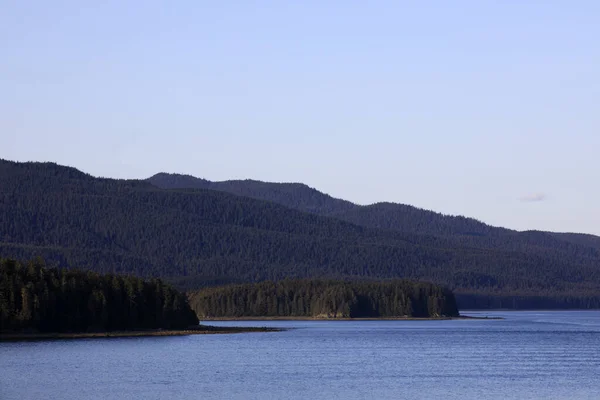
484	317
39	303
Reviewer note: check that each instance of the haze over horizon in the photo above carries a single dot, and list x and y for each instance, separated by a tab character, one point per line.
487	110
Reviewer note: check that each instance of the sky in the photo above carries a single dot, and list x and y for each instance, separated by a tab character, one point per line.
488	109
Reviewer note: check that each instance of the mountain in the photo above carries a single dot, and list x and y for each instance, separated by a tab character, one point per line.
293	195
301	197
416	224
200	237
579	238
384	215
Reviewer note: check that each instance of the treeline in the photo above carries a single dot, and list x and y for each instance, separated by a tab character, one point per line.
293	195
390	216
38	299
528	302
326	299
387	216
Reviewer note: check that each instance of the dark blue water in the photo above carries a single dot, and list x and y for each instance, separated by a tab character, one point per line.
529	355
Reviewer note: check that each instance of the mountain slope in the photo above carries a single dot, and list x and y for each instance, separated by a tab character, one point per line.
580	239
400	217
450	231
293	195
406	218
196	237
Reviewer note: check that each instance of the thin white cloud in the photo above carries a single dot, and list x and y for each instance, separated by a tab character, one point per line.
531	198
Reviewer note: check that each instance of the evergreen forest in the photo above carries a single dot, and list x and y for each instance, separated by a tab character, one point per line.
38	299
196	237
325	299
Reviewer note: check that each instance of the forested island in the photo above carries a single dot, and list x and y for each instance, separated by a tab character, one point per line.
326	299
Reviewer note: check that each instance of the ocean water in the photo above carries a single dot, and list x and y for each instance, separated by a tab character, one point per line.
527	355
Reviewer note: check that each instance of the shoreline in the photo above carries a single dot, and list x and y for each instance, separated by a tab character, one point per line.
460	317
529	309
208	329
203	330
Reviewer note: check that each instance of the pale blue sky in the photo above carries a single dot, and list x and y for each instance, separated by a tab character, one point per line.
463	107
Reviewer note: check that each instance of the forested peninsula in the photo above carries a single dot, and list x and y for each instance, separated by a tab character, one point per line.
38	299
326	299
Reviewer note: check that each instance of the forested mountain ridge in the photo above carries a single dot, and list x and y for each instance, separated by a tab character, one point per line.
299	196
383	215
450	231
292	195
198	237
580	239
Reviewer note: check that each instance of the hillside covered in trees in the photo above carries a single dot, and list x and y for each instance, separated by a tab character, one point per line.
400	217
389	216
325	299
38	299
201	237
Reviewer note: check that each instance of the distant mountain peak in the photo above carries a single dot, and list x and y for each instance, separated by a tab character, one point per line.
294	194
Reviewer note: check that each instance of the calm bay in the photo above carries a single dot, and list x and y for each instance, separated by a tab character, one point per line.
526	355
